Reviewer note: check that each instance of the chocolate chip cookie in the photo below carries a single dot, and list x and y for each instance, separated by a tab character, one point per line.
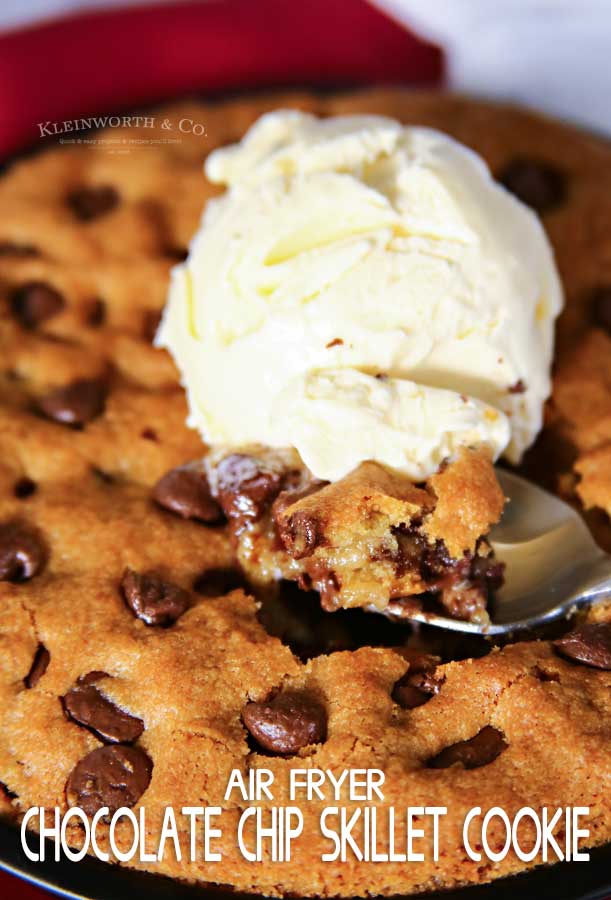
140	663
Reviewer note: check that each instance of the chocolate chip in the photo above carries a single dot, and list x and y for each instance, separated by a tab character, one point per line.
22	554
92	677
149	434
518	387
101	475
150	324
154	601
35	302
486	571
467	591
24	488
246	486
416	687
409	696
536	183
413	552
436	561
301	534
112	776
95	312
185	492
286	723
21	251
76	404
478	751
6	794
590	645
42	658
216	582
174	251
88	203
86	705
600	304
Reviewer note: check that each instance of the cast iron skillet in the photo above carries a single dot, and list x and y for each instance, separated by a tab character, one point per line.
92	879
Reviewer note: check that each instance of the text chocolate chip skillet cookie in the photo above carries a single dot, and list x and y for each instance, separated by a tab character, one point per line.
146	650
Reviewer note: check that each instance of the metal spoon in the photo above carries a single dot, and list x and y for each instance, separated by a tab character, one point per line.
553	565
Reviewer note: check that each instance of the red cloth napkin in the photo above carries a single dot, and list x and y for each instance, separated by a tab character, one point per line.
107	62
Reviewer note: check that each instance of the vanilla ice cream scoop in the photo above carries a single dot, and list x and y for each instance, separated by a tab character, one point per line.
363	291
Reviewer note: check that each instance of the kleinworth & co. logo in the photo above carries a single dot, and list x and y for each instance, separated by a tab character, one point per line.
121	133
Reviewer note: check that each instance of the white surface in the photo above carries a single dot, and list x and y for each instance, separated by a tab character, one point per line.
348	248
549	54
19	13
